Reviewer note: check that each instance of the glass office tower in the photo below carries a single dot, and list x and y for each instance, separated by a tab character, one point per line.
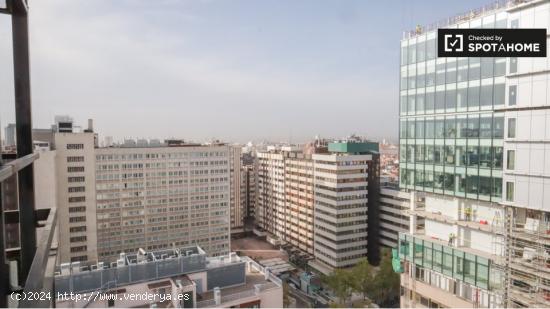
451	133
475	156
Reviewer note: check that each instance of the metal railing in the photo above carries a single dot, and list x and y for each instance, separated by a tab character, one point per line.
486	9
41	274
10	168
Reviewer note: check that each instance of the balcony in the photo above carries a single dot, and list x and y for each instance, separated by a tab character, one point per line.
39	278
30	262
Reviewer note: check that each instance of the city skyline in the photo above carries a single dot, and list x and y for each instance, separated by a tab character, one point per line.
253	70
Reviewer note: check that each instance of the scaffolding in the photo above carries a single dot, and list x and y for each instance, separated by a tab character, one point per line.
528	248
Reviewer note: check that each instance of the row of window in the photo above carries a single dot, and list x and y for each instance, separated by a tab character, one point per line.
486	187
471	155
470	126
451	100
451	72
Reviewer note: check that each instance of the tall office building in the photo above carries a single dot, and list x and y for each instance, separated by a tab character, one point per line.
341	205
473	154
141	195
9	135
248	185
319	202
393	220
270	205
76	195
237	214
162	197
298	183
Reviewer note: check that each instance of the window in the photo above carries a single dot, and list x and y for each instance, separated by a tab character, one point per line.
76	179
513	65
512	91
451	72
475	71
431	49
77	219
511	127
77	199
77	239
78	249
510	159
404	55
420	103
473	126
440	100
462	73
450	127
420	129
75	159
439	128
75	169
473	97
403	103
498	127
498	94
421	51
76	189
412	54
429	102
80	258
485	127
509	191
486	98
487	67
440	74
77	209
450	99
412	102
500	66
75	146
461	98
77	229
429	131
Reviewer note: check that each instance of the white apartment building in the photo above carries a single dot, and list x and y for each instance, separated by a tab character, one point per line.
152	196
249	188
76	196
270	205
238	213
317	202
393	219
481	186
341	213
162	197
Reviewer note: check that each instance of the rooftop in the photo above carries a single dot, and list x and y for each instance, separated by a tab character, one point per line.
492	7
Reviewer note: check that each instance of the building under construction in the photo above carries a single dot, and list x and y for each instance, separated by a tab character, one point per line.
474	155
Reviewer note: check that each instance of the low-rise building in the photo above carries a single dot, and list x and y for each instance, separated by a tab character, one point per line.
177	278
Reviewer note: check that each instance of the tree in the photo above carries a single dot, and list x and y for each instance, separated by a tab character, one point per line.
286	300
363	278
340	282
386	289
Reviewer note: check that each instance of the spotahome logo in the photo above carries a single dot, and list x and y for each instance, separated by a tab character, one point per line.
491	43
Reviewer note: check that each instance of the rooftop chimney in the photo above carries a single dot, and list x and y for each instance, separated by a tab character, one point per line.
90	125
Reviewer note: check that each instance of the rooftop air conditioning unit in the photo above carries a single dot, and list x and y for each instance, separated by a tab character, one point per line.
120	263
75	266
65	269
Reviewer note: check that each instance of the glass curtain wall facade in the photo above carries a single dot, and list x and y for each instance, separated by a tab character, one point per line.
451	137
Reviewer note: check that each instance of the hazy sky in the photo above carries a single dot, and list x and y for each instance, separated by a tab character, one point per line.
227	69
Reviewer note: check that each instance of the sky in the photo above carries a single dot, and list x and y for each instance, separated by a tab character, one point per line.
235	70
